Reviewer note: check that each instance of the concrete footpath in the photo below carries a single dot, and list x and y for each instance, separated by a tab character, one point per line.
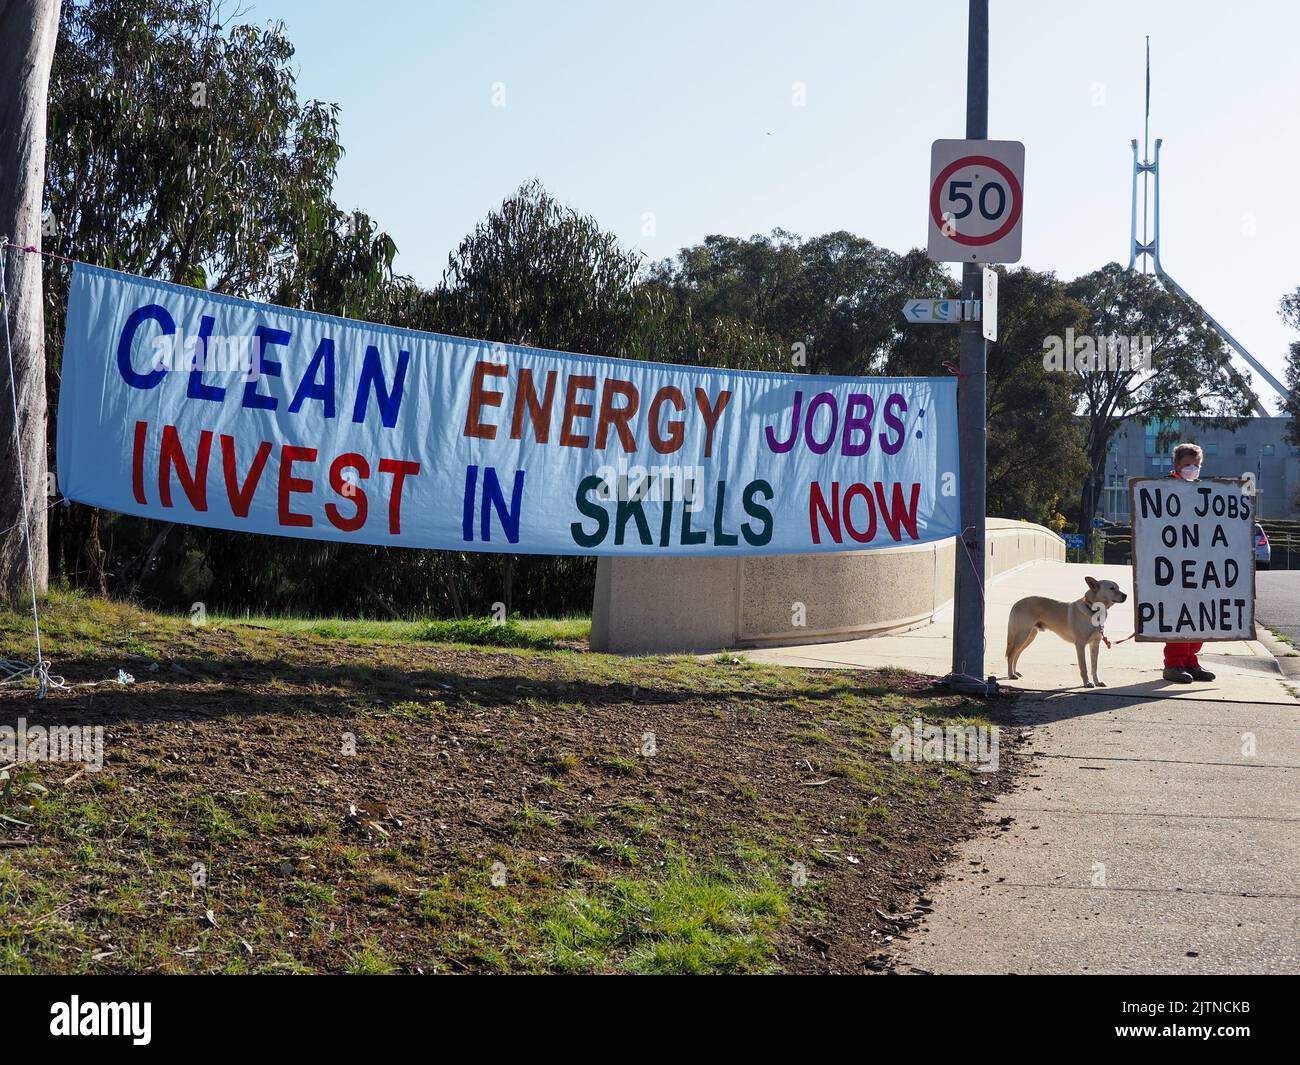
1157	828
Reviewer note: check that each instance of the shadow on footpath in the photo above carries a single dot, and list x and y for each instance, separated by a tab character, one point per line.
1042	706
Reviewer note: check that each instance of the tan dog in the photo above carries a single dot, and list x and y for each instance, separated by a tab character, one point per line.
1079	623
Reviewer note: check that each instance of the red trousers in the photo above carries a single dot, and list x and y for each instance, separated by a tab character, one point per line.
1182	655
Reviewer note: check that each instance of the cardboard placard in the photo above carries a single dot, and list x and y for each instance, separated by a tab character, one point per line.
1193	559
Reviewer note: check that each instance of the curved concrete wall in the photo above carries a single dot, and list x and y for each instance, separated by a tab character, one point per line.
645	605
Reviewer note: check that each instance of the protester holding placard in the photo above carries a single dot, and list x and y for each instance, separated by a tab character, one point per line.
1181	663
1193	561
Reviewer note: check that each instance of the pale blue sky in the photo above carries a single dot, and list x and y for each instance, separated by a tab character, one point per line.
684	111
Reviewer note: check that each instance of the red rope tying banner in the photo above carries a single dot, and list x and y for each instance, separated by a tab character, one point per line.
34	250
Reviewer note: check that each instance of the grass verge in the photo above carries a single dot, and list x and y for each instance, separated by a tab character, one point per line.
370	797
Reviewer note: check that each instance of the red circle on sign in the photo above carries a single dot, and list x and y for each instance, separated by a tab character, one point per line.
977	160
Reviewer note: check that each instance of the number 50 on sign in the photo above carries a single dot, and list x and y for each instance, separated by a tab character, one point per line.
976	201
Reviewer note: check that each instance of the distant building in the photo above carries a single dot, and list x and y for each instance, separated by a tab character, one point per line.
1143	449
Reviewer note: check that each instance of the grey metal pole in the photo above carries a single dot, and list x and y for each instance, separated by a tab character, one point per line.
968	607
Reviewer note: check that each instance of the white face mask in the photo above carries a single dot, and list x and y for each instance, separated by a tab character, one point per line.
1190	473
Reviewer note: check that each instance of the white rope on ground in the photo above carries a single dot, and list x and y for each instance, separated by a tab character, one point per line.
41	668
11	671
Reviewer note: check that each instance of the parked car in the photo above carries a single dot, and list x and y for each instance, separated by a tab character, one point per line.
1263	552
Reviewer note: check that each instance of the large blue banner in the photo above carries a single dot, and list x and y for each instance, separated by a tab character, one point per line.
193	407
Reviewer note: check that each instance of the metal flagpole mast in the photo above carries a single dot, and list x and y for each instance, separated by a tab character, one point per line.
1146	145
1148	169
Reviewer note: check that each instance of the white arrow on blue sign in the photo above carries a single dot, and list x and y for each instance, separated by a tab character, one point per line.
935	311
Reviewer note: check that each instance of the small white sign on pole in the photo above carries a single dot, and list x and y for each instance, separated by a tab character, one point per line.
1193	559
989	309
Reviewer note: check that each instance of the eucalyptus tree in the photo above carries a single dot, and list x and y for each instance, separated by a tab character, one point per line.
1184	369
1035	459
834	300
540	273
179	150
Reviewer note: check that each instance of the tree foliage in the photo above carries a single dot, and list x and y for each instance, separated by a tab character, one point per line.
536	272
1190	373
1034	445
1290	311
178	149
835	298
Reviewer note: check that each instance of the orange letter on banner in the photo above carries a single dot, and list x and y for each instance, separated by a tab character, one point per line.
478	396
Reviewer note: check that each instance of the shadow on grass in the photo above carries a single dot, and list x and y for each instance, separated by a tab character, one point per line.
203	688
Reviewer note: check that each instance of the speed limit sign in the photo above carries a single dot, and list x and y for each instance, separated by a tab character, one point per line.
976	200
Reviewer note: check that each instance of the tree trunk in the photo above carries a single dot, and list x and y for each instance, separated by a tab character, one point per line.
1087	506
93	553
1093	486
28	29
452	563
508	582
149	556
